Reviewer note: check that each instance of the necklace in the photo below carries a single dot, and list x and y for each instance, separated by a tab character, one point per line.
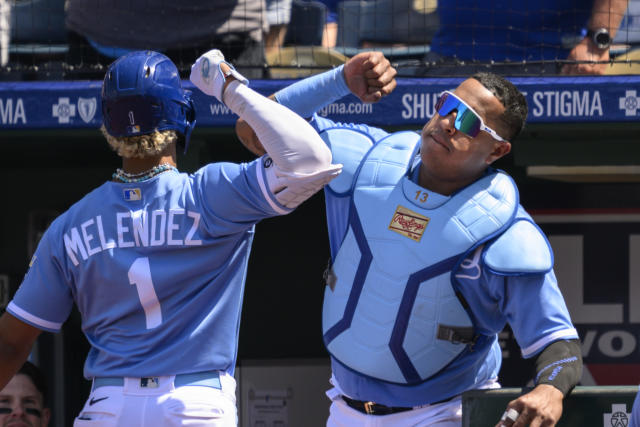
120	175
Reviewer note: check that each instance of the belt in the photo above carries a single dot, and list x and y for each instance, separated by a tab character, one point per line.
372	408
206	379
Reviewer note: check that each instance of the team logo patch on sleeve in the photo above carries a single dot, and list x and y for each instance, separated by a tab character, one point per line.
408	223
132	194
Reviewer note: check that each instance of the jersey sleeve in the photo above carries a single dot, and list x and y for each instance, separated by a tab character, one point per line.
531	304
235	196
536	311
44	299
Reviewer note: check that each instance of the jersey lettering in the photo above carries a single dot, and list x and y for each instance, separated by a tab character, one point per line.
176	227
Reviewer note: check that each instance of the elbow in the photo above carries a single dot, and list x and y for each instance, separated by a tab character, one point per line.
324	156
317	158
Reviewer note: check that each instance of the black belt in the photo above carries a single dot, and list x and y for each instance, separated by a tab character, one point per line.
372	408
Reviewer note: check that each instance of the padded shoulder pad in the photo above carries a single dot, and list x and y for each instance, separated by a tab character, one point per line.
348	147
522	249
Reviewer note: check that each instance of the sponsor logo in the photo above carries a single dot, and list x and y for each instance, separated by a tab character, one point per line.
542	103
219	109
132	194
63	110
618	417
267	162
87	108
12	111
408	223
565	103
630	103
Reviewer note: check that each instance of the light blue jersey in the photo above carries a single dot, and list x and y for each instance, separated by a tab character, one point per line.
531	303
156	269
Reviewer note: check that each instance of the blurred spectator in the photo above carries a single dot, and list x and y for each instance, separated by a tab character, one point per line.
22	401
278	17
330	34
5	31
375	23
102	31
542	33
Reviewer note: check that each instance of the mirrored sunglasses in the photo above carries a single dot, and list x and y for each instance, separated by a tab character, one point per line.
467	121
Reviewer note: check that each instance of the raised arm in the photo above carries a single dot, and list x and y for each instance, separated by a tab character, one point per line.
302	160
368	75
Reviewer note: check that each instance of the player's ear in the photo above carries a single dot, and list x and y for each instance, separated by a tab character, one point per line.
46	416
500	149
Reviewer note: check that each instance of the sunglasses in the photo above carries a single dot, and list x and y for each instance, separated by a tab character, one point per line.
467	121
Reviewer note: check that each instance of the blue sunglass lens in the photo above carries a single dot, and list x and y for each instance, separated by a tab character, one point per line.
466	120
468	123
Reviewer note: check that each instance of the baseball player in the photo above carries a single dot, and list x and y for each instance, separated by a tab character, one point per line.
154	259
431	256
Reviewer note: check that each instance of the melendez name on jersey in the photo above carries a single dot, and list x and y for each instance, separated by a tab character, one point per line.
172	227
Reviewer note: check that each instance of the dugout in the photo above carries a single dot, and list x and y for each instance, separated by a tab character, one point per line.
604	406
577	166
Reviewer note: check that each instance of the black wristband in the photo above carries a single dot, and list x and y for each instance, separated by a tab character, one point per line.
560	365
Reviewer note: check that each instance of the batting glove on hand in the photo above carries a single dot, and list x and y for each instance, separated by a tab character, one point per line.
208	76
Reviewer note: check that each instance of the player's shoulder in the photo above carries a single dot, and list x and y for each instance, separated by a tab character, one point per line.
79	213
217	170
522	249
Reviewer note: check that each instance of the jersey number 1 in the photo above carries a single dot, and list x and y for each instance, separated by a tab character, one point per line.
140	275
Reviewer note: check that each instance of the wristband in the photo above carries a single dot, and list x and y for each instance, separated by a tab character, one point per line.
309	95
560	365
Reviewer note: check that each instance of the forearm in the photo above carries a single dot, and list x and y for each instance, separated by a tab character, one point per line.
16	341
560	365
291	142
309	95
558	370
607	14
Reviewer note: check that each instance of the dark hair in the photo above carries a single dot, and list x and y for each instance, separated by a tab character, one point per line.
36	376
515	104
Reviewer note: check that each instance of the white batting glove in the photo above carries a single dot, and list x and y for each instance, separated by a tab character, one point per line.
207	75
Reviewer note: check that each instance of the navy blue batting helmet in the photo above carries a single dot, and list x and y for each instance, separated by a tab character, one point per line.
142	93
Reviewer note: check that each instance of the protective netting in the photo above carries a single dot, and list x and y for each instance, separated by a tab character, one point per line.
77	39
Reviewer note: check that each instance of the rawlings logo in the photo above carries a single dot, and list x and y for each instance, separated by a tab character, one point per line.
408	223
